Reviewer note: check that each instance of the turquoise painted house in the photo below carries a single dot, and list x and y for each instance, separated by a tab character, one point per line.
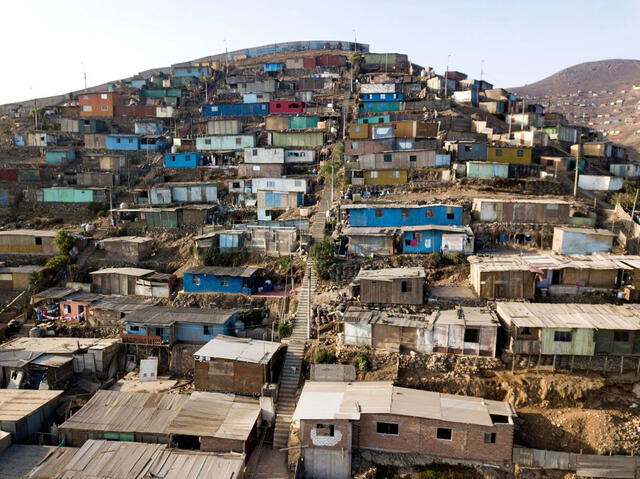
60	156
303	122
164	325
161	92
218	279
225	142
72	195
122	142
191	71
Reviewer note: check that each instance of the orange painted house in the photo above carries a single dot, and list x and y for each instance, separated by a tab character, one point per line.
97	104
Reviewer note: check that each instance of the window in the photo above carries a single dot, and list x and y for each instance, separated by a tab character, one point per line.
499	419
550	162
38	240
255	152
134	328
207	141
195	280
395	174
297	183
159	331
236	184
205	329
520	153
524	331
103	96
325	430
85	97
444	433
379	212
468	148
271	184
498	152
471	335
562	336
104	108
87	108
238	141
374	174
130	140
387	428
387	157
413	158
450	215
429	213
404	212
66	308
489	437
405	287
382	96
621	336
224	282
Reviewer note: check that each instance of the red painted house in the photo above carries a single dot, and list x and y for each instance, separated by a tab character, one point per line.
277	106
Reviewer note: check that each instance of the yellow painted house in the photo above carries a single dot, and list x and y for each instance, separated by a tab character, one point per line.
385	177
509	154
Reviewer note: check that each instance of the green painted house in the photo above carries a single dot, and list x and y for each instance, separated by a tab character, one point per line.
568	329
72	195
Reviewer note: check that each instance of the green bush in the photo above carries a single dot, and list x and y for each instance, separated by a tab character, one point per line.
285	328
362	363
57	263
64	241
323	356
323	259
457	258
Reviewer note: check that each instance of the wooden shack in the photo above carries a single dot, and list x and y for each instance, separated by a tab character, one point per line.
237	365
117	280
391	285
129	248
541	211
28	242
468	331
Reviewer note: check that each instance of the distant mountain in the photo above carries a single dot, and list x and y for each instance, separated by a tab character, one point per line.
599	95
597	76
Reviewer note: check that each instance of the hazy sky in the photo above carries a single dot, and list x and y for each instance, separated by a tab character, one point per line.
45	42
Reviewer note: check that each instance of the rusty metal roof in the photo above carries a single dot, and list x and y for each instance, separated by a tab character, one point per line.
223	271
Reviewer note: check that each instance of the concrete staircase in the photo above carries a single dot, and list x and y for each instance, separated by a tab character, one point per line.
292	368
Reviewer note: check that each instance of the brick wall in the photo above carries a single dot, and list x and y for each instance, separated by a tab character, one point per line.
419	435
340	440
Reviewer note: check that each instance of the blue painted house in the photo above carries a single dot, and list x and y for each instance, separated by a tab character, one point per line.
382	97
164	325
18	140
235	109
218	279
151	142
273	67
58	157
137	83
436	238
378	106
191	71
396	215
468	150
181	160
122	142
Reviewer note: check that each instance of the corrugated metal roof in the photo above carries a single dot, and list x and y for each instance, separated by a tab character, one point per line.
167	315
356	314
238	349
218	415
133	460
56	345
548	261
124	271
54	293
52	360
389	274
16	404
24	232
570	315
368	231
223	271
586	231
127	239
123	303
343	400
523	200
359	206
27	269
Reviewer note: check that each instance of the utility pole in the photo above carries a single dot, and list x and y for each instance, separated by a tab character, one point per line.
575	179
206	92
446	76
84	73
332	181
635	202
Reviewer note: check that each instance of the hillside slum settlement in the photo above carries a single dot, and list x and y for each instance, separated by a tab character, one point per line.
308	259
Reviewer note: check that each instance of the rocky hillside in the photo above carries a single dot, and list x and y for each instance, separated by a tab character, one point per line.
601	95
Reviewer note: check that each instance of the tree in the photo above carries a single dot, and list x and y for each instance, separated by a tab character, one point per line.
64	241
322	254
